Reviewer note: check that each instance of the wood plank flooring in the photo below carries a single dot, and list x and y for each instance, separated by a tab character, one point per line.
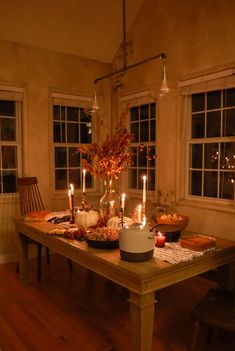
84	312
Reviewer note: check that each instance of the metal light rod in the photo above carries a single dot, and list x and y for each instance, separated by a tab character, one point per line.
161	56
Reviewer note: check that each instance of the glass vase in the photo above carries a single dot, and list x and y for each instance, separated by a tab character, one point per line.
110	202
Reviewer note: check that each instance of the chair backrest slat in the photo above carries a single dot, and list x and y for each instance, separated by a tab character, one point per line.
29	195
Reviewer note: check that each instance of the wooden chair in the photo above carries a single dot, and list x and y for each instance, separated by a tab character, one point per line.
30	200
215	310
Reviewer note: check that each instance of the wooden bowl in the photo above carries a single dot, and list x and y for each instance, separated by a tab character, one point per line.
172	230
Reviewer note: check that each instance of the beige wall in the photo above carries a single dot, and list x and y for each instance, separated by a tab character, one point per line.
39	72
197	36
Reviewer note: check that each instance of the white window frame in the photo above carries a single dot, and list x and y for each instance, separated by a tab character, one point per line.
15	94
212	81
71	100
131	100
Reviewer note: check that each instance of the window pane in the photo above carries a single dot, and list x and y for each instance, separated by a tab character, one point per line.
196	183
72	114
198	102
153	110
74	157
142	157
72	130
60	157
229	97
227	158
211	155
9	157
151	179
144	112
213	124
89	181
229	122
84	117
7	108
133	178
59	113
59	132
210	184
198	126
227	185
85	133
151	157
134	157
9	181
214	99
135	132
143	128
144	131
134	114
74	177
152	130
61	179
196	156
8	129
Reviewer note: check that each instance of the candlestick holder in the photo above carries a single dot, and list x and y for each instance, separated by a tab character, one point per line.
84	202
121	216
72	216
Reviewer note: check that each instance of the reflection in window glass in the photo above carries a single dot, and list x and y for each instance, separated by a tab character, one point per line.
211	156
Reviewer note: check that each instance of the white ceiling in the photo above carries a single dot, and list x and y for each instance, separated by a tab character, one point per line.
87	28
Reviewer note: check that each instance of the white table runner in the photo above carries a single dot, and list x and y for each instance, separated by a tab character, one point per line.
173	253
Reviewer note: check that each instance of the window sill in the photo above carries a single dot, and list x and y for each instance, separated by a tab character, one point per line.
208	205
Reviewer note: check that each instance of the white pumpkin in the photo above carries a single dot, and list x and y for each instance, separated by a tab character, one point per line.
87	218
115	222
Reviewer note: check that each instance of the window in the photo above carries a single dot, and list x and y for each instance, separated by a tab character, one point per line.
72	125
10	147
212	144
143	127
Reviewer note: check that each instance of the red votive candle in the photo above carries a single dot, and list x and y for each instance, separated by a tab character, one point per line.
160	240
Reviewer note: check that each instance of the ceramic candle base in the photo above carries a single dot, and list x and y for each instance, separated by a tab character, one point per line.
160	240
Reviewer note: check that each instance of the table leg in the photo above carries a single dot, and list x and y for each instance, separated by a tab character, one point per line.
142	317
23	256
226	276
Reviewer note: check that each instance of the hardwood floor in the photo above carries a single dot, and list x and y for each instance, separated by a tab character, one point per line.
84	312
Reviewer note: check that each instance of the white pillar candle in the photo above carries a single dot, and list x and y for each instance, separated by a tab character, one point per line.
123	201
144	188
70	200
72	189
84	181
139	214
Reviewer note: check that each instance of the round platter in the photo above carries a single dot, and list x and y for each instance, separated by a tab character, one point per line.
103	244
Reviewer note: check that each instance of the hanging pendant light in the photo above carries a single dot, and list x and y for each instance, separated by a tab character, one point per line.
95	106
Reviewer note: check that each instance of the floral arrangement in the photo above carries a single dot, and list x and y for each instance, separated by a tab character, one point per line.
110	158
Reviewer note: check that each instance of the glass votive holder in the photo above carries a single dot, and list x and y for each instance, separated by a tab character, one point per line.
160	239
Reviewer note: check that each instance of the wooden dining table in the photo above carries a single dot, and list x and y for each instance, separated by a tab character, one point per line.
142	279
